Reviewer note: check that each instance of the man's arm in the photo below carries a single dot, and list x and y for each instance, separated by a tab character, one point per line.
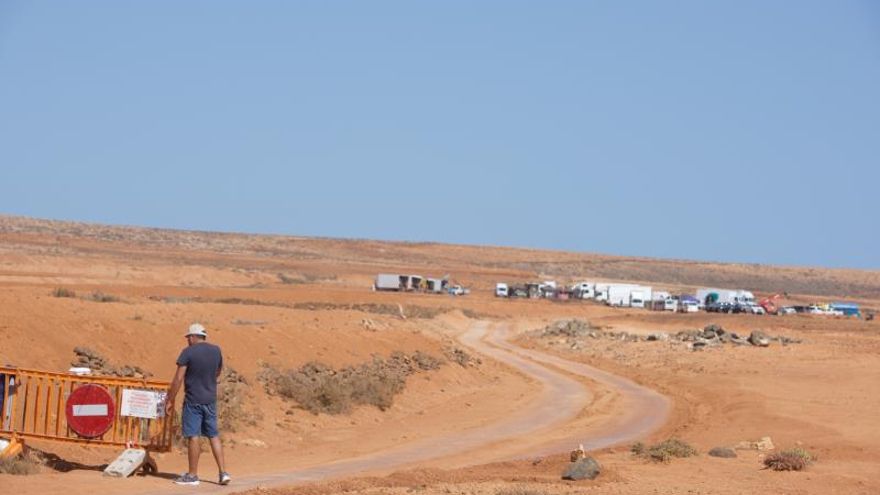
175	387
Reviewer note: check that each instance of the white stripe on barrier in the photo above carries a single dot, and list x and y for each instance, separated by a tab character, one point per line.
90	410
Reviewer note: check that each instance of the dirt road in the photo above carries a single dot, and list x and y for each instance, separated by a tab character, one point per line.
545	425
562	398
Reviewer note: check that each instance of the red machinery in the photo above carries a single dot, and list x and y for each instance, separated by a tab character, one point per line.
769	304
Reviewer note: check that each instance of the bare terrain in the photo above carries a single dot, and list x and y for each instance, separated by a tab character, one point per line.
493	402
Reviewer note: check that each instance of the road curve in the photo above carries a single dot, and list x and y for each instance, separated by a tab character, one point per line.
561	399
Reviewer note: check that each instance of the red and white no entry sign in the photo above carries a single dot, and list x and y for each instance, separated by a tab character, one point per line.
90	411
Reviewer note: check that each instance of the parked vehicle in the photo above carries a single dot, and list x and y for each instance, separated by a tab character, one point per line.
637	298
600	292
501	290
435	285
709	295
747	308
670	304
518	291
390	281
688	306
848	309
719	307
628	295
583	290
457	290
769	304
688	303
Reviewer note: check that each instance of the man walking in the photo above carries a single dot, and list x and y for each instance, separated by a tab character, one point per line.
198	368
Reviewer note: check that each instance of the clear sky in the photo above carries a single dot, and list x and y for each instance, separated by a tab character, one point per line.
744	131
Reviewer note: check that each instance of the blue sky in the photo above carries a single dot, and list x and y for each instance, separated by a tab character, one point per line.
743	131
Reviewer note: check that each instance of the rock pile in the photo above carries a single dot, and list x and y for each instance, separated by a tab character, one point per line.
712	335
88	358
570	328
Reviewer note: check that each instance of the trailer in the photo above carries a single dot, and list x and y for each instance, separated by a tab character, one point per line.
390	281
628	295
436	285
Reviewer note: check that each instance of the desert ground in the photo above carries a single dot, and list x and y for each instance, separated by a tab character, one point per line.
495	393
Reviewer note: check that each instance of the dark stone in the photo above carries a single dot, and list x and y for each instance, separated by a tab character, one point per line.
711	331
725	452
759	338
584	469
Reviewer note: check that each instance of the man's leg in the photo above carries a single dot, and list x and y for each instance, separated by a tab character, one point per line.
210	430
217	450
192	453
191	419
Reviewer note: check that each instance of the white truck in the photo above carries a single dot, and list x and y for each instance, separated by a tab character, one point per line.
709	295
584	290
390	281
501	290
629	295
600	292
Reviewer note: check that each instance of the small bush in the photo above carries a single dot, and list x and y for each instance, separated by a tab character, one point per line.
63	292
795	459
520	490
19	466
99	296
318	388
664	451
287	279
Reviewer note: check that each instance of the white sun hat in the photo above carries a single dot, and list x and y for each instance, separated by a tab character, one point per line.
196	329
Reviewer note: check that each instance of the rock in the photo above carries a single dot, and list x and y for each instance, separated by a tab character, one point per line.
253	442
725	452
711	331
687	335
765	443
584	469
699	345
759	338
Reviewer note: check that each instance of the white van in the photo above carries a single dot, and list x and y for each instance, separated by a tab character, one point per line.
501	290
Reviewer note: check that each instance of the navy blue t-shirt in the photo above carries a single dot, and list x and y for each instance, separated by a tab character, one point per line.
202	361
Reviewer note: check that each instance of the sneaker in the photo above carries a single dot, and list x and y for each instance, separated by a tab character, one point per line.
187	479
225	478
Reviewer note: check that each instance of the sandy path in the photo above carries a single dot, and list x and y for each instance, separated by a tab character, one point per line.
561	399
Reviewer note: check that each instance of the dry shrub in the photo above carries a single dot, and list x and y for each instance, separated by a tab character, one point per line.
520	490
19	465
231	400
664	451
319	388
63	292
460	356
99	296
795	459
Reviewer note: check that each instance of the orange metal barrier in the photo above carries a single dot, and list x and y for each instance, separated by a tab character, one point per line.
35	408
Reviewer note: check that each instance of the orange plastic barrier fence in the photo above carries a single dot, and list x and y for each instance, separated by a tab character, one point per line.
34	404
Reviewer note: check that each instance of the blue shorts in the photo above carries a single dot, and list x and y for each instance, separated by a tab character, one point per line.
200	420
